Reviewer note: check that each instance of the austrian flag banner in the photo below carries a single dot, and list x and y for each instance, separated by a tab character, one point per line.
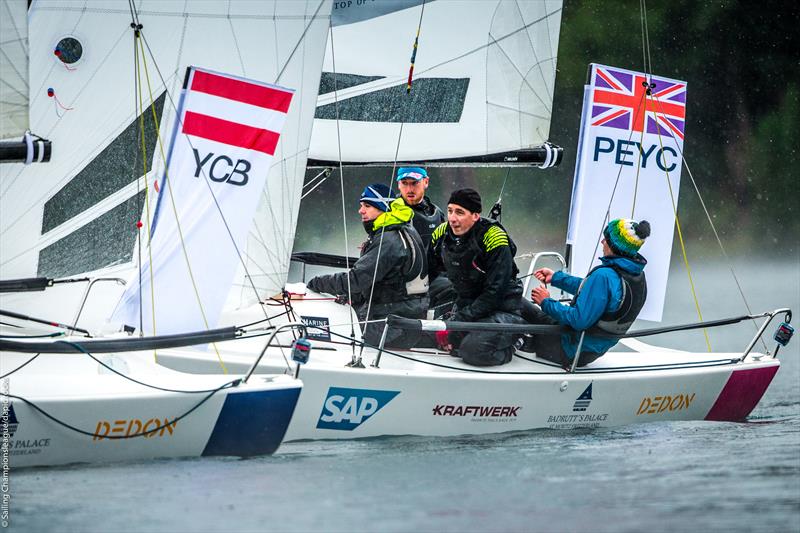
221	153
630	152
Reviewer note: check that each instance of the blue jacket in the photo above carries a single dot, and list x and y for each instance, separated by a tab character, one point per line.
601	293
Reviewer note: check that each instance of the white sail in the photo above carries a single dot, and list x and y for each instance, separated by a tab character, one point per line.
483	82
78	215
13	68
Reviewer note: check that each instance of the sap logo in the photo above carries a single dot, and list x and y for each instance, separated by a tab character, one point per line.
583	401
625	156
233	174
135	427
659	404
346	409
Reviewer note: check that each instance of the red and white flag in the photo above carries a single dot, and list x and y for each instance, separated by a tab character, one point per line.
219	161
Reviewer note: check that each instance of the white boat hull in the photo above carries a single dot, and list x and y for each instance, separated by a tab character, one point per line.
415	393
124	421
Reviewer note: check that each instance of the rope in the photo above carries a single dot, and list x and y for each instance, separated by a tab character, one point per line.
138	181
140	434
146	188
394	164
648	92
716	234
20	367
616	184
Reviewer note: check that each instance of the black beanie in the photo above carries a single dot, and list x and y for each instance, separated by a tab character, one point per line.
469	199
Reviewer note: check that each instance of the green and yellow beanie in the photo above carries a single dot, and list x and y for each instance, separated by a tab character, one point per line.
625	236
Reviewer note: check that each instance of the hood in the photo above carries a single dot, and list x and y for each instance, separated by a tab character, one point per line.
399	213
634	265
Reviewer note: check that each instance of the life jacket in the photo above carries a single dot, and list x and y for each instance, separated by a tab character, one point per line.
415	271
427	217
634	294
464	257
414	279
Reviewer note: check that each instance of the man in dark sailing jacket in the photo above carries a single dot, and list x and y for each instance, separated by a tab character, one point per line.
608	300
412	182
394	256
478	257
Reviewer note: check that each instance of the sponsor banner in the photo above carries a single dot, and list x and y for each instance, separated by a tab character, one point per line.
318	322
345	409
216	171
584	400
651	405
134	427
479	413
638	137
575	421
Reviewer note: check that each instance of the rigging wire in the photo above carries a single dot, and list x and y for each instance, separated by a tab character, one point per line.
406	107
138	89
714	230
341	186
137	112
177	219
648	64
20	367
607	216
116	437
680	239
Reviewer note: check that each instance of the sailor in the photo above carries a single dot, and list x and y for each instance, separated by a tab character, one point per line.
608	300
478	256
394	257
412	182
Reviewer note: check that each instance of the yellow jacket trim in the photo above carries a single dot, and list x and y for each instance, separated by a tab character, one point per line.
494	238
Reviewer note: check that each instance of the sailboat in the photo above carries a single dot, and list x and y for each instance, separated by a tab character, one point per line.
103	82
499	83
500	116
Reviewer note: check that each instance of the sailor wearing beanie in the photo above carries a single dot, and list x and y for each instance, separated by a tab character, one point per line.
478	257
393	258
608	300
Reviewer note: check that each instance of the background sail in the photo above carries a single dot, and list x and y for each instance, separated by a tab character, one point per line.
79	214
14	68
638	139
484	78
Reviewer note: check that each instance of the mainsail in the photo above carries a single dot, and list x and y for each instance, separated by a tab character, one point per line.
483	81
79	215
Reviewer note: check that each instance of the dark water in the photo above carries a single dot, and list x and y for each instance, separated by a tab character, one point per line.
683	476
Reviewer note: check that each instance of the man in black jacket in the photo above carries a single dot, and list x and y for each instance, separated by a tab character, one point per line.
478	256
394	257
412	182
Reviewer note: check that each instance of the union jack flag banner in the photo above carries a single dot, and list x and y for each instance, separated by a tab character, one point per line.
620	100
629	163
